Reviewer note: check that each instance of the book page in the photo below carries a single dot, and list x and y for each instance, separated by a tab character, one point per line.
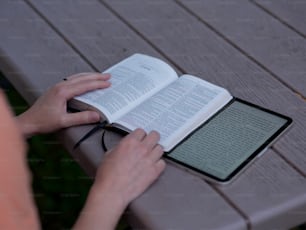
177	109
132	81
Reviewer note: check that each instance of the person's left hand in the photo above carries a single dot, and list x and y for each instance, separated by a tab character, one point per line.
49	112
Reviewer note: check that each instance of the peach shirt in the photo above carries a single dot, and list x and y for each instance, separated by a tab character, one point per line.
17	209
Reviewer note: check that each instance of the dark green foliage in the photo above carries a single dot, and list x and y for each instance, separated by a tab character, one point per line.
60	186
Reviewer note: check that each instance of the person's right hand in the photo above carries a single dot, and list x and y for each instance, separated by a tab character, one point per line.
129	168
126	172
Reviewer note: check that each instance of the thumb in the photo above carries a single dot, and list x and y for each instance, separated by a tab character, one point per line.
81	118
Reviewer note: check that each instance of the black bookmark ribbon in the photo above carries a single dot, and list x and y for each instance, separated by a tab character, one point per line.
113	129
95	129
106	127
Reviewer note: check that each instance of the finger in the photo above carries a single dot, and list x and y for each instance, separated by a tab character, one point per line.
157	169
138	134
156	153
160	167
78	75
88	76
84	87
80	118
151	139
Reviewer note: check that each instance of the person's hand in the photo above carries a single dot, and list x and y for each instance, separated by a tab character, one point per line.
132	166
125	173
49	112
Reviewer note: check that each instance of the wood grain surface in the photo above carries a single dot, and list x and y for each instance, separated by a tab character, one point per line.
240	45
270	43
291	13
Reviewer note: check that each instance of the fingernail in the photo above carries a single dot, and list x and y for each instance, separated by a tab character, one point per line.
95	116
108	75
106	83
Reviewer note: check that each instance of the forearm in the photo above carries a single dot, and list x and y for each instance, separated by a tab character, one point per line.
26	126
102	210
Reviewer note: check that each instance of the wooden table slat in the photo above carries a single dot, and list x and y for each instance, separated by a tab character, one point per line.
94	31
30	46
291	12
179	200
271	193
261	36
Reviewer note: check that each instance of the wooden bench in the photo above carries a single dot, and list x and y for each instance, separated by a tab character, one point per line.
256	49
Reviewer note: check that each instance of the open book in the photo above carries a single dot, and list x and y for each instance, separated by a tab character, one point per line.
147	93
